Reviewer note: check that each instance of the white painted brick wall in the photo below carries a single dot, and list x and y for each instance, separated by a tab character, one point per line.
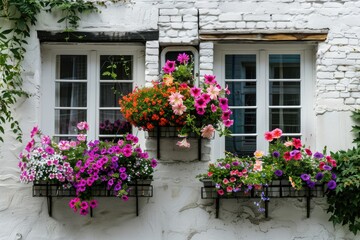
176	211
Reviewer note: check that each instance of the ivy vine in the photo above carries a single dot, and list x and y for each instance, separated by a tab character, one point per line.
17	16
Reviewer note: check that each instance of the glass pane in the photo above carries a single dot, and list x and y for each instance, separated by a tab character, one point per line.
71	67
242	146
240	66
70	94
242	93
244	121
119	67
110	139
113	123
111	92
284	93
286	119
284	66
66	138
66	120
172	55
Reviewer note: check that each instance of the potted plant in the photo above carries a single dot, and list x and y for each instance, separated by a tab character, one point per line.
176	103
90	168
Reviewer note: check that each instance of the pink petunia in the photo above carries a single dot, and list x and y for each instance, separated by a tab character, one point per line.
45	140
210	79
229	189
288	144
30	145
220	192
206	98
81	137
195	92
34	131
179	109
208	131
184	143
258	166
228	122
268	136
64	145
213	108
183	58
200	103
225	181
223	103
176	98
83	125
296	143
277	133
200	111
226	115
169	67
213	92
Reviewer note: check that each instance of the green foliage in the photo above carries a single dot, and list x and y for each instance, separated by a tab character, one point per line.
18	16
356	129
344	203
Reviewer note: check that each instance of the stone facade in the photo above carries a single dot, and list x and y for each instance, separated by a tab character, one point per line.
177	212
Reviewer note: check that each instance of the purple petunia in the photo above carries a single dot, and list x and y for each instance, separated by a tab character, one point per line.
153	163
331	184
310	184
319	176
123	176
327	168
305	177
333	176
318	155
278	173
276	154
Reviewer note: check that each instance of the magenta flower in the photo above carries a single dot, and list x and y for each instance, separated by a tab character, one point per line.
34	131
127	152
83	125
123	176
228	122
200	103
49	150
210	79
29	145
183	58
226	115
223	103
213	108
125	198
83	212
93	203
45	140
195	92
200	111
206	97
153	163
169	67
84	205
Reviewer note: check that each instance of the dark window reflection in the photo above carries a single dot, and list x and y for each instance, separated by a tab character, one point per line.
284	66
242	93
240	66
242	146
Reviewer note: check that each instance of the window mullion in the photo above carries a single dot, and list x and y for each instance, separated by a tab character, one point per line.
262	119
92	96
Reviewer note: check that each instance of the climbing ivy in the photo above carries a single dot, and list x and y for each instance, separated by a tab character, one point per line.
16	18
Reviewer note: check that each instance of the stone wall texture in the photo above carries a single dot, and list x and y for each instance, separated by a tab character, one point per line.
177	212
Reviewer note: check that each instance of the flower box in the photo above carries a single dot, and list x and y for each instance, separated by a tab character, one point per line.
283	189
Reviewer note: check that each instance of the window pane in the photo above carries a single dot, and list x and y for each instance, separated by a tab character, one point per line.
243	146
71	67
172	55
119	67
244	121
70	94
240	66
66	138
284	93
111	92
242	93
284	66
113	123
286	119
66	120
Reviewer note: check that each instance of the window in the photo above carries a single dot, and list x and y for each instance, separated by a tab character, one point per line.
84	83
171	53
271	87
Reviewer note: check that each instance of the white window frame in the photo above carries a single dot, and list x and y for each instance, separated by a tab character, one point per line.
307	85
93	51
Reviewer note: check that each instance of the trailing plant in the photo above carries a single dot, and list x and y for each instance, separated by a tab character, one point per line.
17	16
345	201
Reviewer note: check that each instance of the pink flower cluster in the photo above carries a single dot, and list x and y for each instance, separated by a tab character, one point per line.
83	206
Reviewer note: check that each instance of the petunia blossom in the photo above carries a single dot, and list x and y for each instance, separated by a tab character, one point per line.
184	143
208	131
176	98
179	109
209	79
268	136
213	92
195	92
169	67
183	58
276	133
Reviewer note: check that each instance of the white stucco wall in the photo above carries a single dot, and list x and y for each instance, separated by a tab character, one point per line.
177	212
